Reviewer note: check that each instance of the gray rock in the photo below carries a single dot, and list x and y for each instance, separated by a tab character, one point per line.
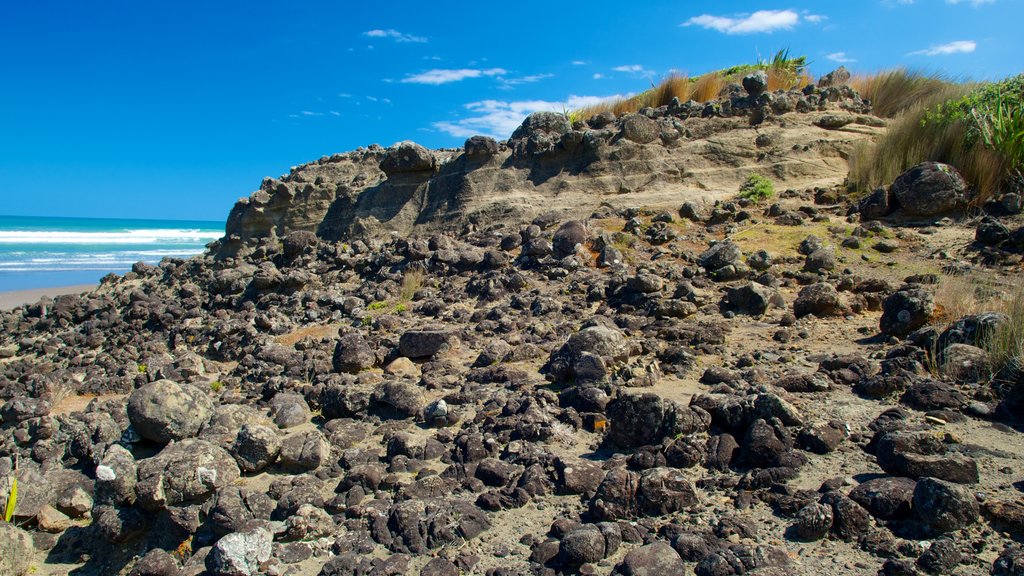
544	123
640	419
906	311
116	476
814	521
426	343
720	255
289	410
16	550
929	189
407	157
821	260
755	83
918	454
405	397
256	447
887	498
23	408
664	491
568	236
742	559
480	147
656	559
943	506
240	553
754	299
305	450
820	299
838	77
353	354
582	545
186	471
163	410
640	129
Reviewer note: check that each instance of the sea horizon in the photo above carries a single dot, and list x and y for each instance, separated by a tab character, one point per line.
56	251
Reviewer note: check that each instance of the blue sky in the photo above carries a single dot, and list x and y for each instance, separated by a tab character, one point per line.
177	109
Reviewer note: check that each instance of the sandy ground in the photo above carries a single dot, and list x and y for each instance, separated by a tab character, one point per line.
14	298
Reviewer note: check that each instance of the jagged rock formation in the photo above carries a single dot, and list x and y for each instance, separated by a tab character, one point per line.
654	158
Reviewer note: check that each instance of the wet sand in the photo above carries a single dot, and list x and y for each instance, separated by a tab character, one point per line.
14	298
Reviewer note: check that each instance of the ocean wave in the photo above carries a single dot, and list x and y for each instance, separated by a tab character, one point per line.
141	236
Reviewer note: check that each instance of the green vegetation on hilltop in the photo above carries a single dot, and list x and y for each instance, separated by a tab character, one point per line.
784	72
976	127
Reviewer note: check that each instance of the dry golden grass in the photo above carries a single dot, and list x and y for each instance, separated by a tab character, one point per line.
316	331
894	91
707	87
786	79
910	141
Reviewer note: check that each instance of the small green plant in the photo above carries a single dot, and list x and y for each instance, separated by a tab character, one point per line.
757	188
378	305
399	308
216	385
143	368
12	500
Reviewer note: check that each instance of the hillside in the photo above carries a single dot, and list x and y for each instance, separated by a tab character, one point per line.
580	351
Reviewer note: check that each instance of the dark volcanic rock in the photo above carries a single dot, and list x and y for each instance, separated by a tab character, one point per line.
183	472
657	559
162	411
353	354
820	300
639	419
407	157
426	343
943	506
930	188
919	454
887	498
906	311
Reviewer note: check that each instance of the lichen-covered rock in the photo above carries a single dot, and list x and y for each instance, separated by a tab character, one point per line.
163	410
183	472
944	506
407	157
16	550
640	419
929	189
240	553
906	311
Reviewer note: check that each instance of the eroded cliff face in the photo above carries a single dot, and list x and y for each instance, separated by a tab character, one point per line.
657	157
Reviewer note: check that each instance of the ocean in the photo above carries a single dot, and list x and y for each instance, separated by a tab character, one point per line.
44	252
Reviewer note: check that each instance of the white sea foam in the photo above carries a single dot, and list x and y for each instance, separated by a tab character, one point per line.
141	236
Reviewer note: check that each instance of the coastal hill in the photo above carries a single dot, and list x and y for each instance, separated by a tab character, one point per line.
688	338
655	159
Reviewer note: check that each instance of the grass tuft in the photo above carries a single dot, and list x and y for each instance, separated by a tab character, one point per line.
894	91
757	188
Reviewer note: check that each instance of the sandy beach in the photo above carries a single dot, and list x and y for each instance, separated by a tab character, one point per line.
14	298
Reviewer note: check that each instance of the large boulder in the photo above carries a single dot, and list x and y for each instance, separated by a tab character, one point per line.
16	550
240	553
407	157
426	343
163	410
944	506
480	147
542	122
906	311
641	419
754	299
568	236
918	454
655	559
353	354
256	447
597	345
640	129
929	189
756	83
820	299
183	472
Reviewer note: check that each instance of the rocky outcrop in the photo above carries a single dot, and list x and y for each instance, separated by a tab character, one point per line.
547	164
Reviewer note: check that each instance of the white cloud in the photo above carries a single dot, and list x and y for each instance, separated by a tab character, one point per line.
598	75
509	82
394	35
957	47
974	3
498	118
815	18
334	113
634	69
376	99
760	21
438	76
578	63
311	113
840	57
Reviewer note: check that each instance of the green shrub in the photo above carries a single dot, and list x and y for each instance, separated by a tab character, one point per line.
757	188
378	305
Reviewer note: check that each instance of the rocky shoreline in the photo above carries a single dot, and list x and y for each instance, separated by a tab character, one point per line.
605	378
